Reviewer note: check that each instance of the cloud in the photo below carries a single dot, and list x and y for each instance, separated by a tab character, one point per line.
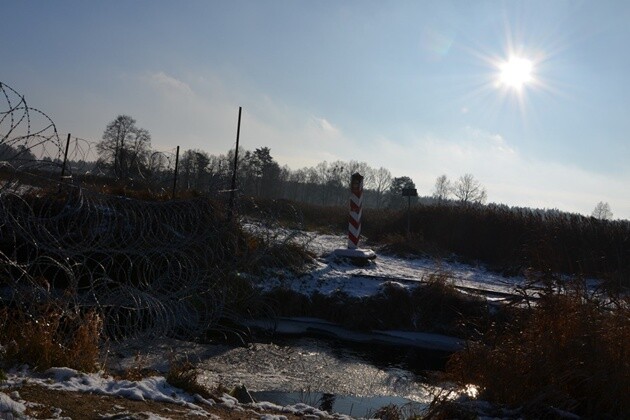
168	84
326	127
302	140
509	176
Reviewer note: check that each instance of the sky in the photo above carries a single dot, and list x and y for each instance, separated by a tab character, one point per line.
417	87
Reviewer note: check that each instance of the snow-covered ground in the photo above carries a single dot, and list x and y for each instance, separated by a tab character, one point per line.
331	274
154	388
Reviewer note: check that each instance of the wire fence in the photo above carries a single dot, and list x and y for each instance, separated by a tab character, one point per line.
148	267
33	155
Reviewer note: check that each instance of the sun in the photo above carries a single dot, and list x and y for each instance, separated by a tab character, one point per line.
516	73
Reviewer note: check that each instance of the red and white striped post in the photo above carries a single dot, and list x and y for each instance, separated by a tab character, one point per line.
356	209
353	251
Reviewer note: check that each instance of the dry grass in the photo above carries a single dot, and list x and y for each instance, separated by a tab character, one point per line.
435	306
508	240
184	375
51	337
571	351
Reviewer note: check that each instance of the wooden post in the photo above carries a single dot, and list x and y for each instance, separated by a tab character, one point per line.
233	187
175	172
65	160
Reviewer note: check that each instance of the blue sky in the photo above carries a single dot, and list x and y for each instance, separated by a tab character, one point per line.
410	86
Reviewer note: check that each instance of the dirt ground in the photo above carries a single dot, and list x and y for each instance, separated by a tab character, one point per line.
44	403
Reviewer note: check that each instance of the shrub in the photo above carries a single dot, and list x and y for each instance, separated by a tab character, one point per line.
183	375
509	240
570	352
51	337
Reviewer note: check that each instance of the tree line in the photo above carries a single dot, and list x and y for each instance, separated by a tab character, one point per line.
125	153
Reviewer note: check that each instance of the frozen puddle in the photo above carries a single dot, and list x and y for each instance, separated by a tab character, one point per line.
313	326
363	407
317	372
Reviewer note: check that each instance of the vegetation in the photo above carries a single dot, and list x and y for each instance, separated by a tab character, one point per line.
184	375
125	147
47	336
569	352
544	244
435	306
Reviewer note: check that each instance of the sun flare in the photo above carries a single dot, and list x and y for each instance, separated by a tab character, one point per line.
516	72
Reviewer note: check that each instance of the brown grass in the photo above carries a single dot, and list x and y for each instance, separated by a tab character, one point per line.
184	375
506	240
435	306
571	351
51	337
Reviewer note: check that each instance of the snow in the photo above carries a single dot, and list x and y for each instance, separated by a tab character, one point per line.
9	405
331	274
154	388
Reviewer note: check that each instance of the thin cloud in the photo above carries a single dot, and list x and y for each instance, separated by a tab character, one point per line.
326	127
510	177
169	84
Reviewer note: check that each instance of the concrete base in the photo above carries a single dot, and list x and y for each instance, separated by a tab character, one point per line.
356	253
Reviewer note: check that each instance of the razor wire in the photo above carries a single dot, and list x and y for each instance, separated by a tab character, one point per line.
28	137
32	154
149	267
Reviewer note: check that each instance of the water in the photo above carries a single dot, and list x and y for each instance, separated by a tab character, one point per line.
348	379
344	404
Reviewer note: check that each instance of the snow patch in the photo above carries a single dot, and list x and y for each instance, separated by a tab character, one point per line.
9	406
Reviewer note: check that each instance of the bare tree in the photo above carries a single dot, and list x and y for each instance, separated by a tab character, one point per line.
194	168
362	168
381	181
443	188
468	190
602	211
124	147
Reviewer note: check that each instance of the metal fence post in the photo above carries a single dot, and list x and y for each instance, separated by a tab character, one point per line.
175	172
233	187
65	160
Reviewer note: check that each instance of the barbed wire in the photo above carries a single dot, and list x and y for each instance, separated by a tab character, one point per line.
149	267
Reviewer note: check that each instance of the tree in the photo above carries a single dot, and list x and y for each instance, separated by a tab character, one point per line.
395	191
194	168
265	170
468	190
124	147
442	188
382	179
330	178
602	211
19	154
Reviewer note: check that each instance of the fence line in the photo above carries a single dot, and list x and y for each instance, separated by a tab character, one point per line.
149	267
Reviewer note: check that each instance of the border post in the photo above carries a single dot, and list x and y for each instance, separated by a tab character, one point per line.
356	210
353	252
